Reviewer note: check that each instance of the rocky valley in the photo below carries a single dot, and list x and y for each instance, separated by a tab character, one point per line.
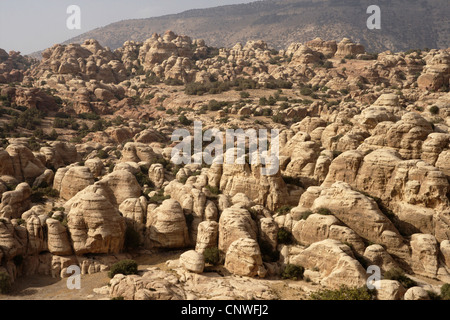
87	178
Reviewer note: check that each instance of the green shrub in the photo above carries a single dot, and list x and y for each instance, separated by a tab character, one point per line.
102	154
293	272
5	283
158	198
184	120
305	215
305	91
244	94
284	209
445	291
213	190
434	110
38	194
284	236
399	275
344	293
144	179
118	298
132	238
291	180
212	256
324	211
125	267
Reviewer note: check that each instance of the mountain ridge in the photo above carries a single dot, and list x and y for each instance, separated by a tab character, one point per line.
405	24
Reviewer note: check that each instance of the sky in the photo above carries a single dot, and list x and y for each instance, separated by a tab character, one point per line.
31	25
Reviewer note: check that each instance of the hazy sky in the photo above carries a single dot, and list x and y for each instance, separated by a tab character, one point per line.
32	25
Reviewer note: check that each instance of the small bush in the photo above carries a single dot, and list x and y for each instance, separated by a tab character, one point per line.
213	190
118	298
305	215
102	154
144	179
184	120
291	180
5	283
284	209
158	198
244	94
125	267
344	293
445	291
305	91
284	236
399	275
293	272
434	110
324	211
38	194
212	256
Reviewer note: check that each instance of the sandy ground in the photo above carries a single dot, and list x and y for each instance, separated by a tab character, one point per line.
39	287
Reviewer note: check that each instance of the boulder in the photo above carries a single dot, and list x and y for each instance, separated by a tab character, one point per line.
193	261
243	258
95	225
166	226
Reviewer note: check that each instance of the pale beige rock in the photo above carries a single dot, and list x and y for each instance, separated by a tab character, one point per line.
72	180
122	184
95	225
9	244
134	210
26	166
268	231
44	179
243	258
137	152
154	284
14	203
362	215
424	258
335	262
207	236
156	174
315	228
58	238
445	251
166	226
378	256
95	166
416	293
235	223
389	290
193	261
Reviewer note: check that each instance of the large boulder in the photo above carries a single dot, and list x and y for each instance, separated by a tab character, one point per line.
235	223
193	261
166	226
243	258
16	202
70	181
95	225
335	263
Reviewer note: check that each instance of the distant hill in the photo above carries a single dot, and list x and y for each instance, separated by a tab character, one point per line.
405	24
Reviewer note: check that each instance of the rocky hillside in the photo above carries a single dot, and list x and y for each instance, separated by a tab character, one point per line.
86	176
406	24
